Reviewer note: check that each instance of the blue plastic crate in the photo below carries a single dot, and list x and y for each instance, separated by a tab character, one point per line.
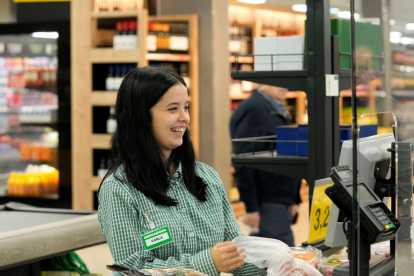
285	133
303	136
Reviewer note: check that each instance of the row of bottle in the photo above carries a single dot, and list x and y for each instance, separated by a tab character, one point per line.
16	98
162	37
240	40
117	72
126	35
36	151
21	72
35	181
42	114
167	37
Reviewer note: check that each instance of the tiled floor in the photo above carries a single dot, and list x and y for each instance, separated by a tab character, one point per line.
97	257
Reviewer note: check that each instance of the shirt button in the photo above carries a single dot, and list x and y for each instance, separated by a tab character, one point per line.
183	210
191	234
175	186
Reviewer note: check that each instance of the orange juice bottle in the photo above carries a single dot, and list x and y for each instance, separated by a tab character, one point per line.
25	150
35	152
45	153
20	180
43	179
11	184
55	181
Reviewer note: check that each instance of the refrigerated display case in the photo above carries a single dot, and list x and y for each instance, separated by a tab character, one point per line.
35	114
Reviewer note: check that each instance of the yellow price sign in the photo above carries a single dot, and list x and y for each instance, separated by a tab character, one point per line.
319	217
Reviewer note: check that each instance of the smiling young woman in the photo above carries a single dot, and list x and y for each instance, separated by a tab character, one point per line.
158	207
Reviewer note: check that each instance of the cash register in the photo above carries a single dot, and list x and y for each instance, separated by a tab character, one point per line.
376	184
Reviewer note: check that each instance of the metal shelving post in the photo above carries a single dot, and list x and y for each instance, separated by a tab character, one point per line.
323	111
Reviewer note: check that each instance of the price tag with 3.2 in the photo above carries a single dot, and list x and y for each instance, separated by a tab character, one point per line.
319	218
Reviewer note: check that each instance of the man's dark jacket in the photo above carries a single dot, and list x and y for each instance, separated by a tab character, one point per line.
255	117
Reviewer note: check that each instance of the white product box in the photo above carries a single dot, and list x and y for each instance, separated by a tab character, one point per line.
292	45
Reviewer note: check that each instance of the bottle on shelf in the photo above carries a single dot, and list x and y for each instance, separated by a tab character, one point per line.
124	35
110	79
102	168
118	36
35	181
117	78
132	35
111	122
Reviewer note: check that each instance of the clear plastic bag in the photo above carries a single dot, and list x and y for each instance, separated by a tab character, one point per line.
274	255
309	254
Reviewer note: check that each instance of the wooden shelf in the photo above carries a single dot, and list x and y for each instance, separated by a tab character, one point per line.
109	55
248	60
114	14
95	183
168	57
100	141
103	98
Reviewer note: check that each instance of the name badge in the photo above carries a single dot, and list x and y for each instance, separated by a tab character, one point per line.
156	238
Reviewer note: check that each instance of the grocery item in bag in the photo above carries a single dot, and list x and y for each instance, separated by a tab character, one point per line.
309	254
274	255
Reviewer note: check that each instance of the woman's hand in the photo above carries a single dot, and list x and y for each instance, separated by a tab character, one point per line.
226	256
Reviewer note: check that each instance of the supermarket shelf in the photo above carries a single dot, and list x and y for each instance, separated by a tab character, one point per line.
292	80
103	98
293	166
168	57
289	95
241	59
22	130
109	55
101	141
114	14
96	182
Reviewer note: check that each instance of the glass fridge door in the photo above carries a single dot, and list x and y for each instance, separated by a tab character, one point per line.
28	115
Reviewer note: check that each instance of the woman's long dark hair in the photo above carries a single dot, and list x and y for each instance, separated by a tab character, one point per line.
134	146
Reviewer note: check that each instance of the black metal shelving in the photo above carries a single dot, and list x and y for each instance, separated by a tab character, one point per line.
293	80
322	57
293	166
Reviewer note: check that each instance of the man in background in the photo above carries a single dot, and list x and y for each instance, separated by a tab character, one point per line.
271	199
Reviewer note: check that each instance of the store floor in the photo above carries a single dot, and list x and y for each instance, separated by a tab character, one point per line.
97	257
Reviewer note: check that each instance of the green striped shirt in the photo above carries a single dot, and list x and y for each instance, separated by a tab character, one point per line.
195	226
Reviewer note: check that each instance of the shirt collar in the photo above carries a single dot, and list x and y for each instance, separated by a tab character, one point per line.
177	174
276	104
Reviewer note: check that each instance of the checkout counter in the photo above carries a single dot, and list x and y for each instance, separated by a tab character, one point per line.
380	179
29	234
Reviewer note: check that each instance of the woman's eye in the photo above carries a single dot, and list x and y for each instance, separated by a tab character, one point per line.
172	109
187	107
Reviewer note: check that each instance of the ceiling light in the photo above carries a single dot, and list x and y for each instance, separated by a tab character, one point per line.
45	34
406	40
347	14
392	22
299	8
333	10
410	26
395	37
252	1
